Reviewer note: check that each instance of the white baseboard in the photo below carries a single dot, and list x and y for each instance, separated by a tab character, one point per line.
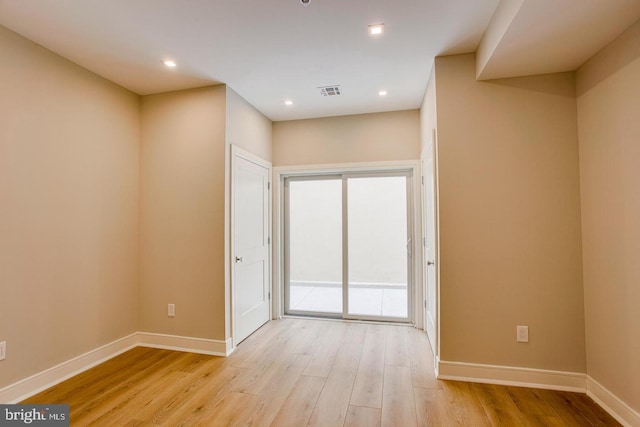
36	383
189	344
507	375
538	378
27	387
623	413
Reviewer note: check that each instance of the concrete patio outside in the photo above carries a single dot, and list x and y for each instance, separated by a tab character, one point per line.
368	299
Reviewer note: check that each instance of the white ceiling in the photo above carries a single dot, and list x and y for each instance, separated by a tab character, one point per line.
272	50
547	36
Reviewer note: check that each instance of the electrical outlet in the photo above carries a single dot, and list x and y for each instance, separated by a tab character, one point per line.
522	333
171	310
3	350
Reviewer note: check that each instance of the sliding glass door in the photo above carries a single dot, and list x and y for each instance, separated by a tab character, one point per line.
378	236
314	246
347	246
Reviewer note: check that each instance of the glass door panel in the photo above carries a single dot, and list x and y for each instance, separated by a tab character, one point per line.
314	236
377	247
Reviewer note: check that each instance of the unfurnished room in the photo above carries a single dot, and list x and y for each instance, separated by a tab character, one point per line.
320	213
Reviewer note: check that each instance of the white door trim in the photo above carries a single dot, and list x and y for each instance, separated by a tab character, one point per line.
432	146
246	155
282	172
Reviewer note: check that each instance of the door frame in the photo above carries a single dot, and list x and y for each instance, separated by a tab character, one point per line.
432	149
416	311
246	155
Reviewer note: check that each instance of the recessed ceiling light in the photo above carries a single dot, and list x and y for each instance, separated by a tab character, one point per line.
376	29
382	93
288	102
169	63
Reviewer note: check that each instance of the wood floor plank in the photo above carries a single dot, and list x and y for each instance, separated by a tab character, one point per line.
577	408
278	341
139	399
309	335
264	383
398	404
545	421
298	406
273	396
135	423
430	404
498	406
112	391
359	416
206	389
396	347
255	380
367	389
326	350
254	346
462	406
530	402
333	403
421	361
232	410
103	378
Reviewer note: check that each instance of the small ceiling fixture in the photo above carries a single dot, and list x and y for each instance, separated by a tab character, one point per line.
376	29
169	63
382	93
288	102
305	2
330	90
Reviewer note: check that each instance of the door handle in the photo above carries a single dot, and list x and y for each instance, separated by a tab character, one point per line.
431	263
239	259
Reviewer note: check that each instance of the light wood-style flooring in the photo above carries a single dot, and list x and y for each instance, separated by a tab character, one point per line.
298	372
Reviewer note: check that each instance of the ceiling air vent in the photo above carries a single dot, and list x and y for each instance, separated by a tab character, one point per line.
330	90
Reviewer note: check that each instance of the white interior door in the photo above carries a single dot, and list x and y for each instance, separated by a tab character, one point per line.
250	244
431	291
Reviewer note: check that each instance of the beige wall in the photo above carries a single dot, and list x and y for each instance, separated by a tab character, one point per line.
68	209
510	237
248	128
609	128
345	139
182	213
428	112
